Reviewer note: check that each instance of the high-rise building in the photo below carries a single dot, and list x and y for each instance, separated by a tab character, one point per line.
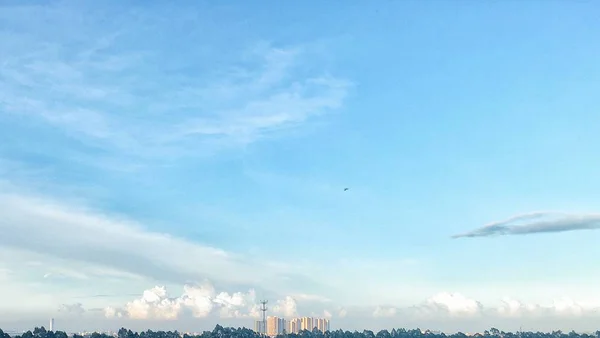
51	324
294	325
282	325
259	326
275	326
306	323
322	324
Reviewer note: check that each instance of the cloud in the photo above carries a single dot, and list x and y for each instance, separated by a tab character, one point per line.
453	304
108	246
197	301
74	309
448	305
112	89
311	298
66	273
385	311
286	307
204	301
537	222
111	312
446	309
562	307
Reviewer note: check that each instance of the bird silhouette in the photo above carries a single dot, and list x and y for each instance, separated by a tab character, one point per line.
346	189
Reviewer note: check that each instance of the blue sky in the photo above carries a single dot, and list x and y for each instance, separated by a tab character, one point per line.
144	144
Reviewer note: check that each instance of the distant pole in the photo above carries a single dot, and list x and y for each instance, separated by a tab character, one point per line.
263	308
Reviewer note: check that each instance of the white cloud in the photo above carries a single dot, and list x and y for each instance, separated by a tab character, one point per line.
457	306
514	308
562	307
111	247
286	307
41	235
111	312
95	84
74	309
454	304
311	298
447	304
199	301
385	311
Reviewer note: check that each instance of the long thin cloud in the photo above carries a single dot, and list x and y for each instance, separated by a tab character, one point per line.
77	235
536	222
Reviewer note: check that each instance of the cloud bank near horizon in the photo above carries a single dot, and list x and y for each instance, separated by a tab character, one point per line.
204	301
536	223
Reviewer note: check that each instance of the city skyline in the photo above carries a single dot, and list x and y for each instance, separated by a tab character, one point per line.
384	164
276	325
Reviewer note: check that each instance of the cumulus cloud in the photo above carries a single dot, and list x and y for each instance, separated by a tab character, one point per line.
536	222
75	309
111	312
198	301
454	304
563	307
447	304
385	311
286	307
458	306
204	301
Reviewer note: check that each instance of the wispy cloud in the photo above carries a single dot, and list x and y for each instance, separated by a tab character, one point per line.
536	222
120	90
113	247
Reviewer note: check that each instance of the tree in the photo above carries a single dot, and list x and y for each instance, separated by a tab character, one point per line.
229	332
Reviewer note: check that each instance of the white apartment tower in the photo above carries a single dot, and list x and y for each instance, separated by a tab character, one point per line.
294	325
259	327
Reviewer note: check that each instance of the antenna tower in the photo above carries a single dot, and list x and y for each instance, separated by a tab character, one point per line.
263	308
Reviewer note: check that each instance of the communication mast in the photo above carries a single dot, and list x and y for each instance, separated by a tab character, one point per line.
263	308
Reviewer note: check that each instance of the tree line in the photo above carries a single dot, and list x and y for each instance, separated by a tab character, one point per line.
229	332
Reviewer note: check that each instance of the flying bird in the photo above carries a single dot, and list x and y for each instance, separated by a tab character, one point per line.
346	189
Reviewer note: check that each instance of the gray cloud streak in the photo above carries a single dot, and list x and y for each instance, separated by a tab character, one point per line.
536	222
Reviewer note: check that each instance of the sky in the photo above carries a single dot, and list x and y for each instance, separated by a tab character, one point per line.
169	165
